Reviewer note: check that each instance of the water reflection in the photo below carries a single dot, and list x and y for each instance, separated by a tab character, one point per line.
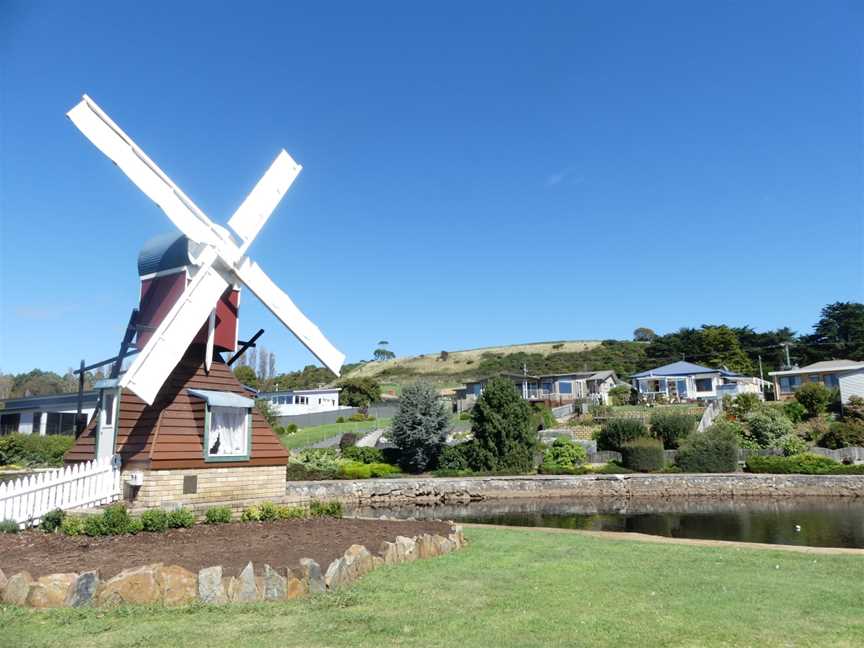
818	522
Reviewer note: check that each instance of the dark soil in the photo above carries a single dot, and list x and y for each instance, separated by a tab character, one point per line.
279	544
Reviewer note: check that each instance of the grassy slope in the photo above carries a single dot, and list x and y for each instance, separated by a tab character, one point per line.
516	588
431	366
310	435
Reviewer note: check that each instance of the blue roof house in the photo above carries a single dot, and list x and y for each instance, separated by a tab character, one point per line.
684	381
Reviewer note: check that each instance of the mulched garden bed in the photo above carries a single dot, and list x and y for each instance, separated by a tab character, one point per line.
279	544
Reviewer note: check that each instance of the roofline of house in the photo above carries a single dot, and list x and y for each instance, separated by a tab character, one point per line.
805	370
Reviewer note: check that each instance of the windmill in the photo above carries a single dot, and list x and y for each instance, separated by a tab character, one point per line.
217	260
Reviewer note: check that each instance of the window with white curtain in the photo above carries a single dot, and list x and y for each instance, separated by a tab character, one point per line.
229	434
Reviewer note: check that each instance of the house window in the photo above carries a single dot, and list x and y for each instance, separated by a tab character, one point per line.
37	423
789	384
9	423
227	433
108	409
704	385
816	378
565	387
832	381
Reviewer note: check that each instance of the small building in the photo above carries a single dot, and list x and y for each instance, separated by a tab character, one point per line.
53	414
846	375
303	401
684	381
551	389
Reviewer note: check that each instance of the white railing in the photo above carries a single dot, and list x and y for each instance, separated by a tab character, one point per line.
712	411
90	483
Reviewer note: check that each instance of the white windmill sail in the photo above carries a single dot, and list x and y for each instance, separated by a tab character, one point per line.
221	262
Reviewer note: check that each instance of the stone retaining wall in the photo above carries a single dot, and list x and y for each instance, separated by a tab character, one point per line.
174	585
465	489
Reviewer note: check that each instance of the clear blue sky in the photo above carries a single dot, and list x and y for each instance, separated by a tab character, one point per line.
474	174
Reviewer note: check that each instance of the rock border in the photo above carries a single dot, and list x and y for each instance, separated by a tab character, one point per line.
175	585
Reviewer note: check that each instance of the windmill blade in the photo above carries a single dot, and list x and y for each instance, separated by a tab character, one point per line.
176	331
142	171
282	307
250	217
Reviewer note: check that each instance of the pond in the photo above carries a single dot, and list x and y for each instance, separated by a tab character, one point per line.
813	521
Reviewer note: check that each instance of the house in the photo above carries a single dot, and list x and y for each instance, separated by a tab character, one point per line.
303	401
685	381
551	389
847	375
53	414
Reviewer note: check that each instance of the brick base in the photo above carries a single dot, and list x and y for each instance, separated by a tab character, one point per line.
164	488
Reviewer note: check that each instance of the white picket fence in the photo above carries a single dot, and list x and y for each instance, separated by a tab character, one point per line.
90	483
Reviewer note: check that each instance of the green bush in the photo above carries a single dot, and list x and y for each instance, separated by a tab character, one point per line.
52	520
794	411
72	525
713	451
289	429
452	458
359	417
354	470
563	454
610	468
291	512
363	455
419	427
340	419
181	518
804	463
643	455
600	411
383	470
672	427
843	434
154	520
542	416
313	463
465	416
325	509
618	431
117	521
767	425
620	395
9	526
815	397
853	410
791	444
268	512
250	514
742	405
217	515
555	469
94	526
813	430
33	450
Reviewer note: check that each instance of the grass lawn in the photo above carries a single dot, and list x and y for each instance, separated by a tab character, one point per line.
308	436
516	588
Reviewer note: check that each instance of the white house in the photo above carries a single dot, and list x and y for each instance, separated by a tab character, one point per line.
303	401
685	381
847	375
54	414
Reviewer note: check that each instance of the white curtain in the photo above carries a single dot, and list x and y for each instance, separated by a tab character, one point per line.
228	426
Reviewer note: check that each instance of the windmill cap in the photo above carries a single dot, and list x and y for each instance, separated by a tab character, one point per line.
163	252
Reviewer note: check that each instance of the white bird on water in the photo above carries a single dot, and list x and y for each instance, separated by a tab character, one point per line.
797	528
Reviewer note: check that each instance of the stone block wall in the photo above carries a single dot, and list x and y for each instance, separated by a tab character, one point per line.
164	488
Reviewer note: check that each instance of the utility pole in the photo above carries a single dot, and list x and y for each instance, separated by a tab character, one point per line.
761	376
785	345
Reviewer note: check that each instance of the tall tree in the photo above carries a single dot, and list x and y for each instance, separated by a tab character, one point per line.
720	348
839	333
644	334
246	375
419	427
359	392
504	438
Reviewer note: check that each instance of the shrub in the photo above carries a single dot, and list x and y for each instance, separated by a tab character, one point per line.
325	509
854	409
9	526
291	428
94	526
452	458
465	416
72	525
34	450
791	444
620	395
291	512
600	411
815	398
363	455
117	521
672	427
712	451
250	514
348	440
52	520
843	434
804	464
419	427
359	417
794	411
154	520
354	470
643	455
181	518
618	431
501	424
766	425
217	515
383	470
742	405
268	512
563	453
611	468
813	430
542	417
340	419
313	463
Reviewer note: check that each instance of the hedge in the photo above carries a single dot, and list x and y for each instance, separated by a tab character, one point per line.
801	464
713	451
33	450
644	454
616	432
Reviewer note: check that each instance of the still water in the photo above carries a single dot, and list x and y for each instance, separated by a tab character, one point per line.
817	522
